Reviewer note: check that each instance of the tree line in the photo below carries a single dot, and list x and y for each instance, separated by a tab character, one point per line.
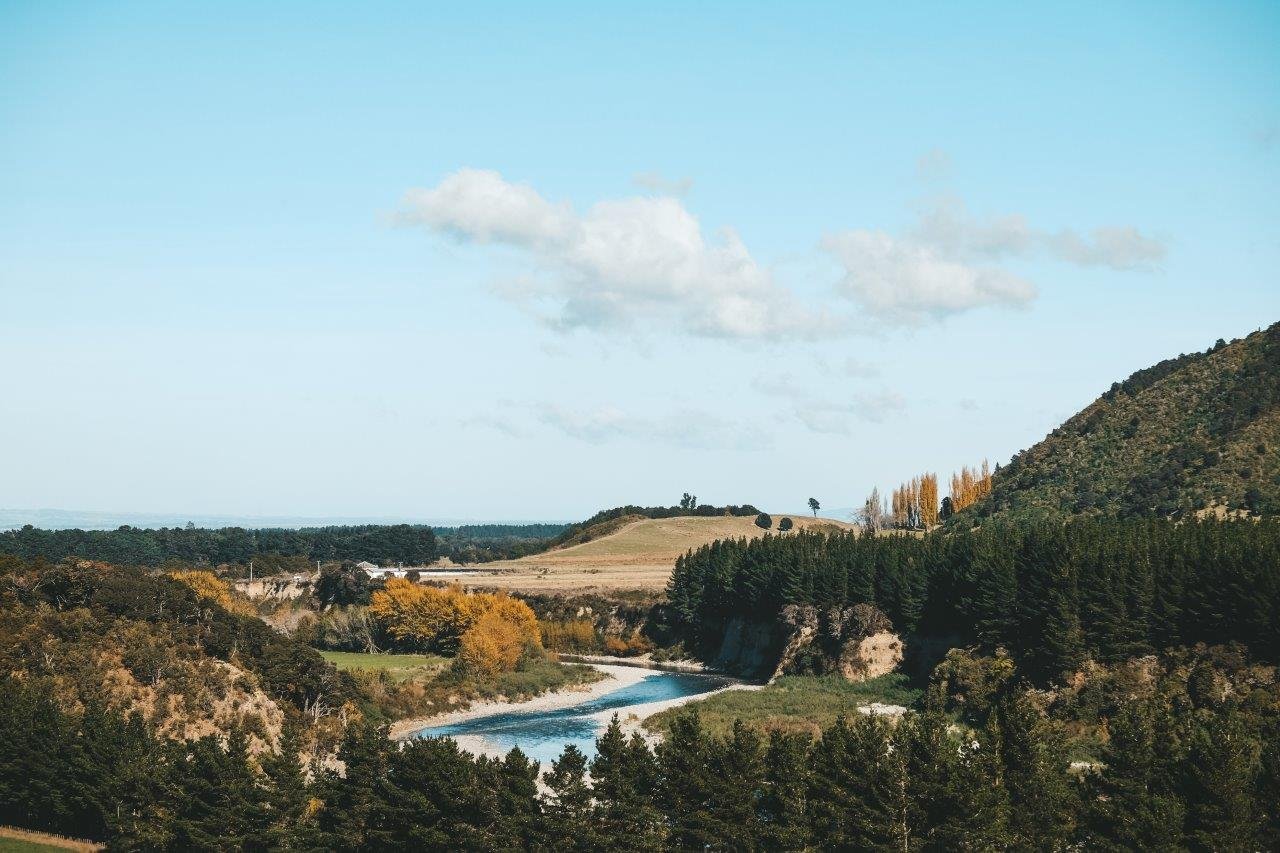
1173	776
1051	595
410	544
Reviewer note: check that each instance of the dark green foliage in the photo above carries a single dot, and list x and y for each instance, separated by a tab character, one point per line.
764	521
1133	804
1221	785
1053	596
785	524
410	544
919	784
482	543
343	585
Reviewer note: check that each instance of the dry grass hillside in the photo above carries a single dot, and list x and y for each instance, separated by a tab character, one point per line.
637	555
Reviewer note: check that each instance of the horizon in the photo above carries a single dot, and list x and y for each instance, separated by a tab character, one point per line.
388	263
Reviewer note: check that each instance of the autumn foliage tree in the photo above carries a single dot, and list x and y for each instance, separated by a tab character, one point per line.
426	618
969	486
206	585
914	504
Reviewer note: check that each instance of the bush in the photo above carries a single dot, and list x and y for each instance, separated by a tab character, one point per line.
786	524
764	520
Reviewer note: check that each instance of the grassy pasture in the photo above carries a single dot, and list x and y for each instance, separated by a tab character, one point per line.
793	703
637	556
397	666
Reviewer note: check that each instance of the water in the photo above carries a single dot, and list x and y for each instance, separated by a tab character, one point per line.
542	735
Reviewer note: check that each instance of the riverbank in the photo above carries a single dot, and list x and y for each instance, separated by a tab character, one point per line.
616	678
645	662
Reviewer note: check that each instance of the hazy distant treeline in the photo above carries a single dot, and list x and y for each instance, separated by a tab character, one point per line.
410	544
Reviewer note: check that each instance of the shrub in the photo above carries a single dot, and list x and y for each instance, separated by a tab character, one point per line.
206	585
764	520
492	645
786	524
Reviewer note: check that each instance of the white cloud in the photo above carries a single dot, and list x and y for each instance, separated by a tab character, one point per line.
949	261
656	183
623	262
947	227
1120	248
903	282
478	205
644	262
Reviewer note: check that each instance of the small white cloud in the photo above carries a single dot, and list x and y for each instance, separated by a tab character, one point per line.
1120	248
623	262
908	283
654	182
946	226
479	205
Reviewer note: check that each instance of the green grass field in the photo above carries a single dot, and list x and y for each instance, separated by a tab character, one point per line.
395	665
794	703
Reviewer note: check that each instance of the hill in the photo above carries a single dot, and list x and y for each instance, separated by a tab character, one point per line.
637	555
1200	432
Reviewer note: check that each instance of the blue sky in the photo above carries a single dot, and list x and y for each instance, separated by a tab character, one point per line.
513	262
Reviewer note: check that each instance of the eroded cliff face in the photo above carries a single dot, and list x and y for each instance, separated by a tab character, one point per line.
856	642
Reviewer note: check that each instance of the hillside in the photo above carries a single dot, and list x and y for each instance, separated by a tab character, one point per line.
1196	432
637	555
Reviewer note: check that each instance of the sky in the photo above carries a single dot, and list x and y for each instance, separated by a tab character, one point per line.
516	261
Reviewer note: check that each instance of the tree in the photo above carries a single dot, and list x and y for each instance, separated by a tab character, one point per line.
1131	806
1221	772
1034	772
814	506
764	520
872	514
852	786
785	524
567	818
343	585
624	776
783	801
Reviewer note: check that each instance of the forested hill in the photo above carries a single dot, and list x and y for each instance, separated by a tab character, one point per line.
1194	432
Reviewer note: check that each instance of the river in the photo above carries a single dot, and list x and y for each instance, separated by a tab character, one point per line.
542	735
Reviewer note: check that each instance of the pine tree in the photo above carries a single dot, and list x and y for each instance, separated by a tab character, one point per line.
1033	771
567	816
286	788
783	803
1220	779
1130	807
852	792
